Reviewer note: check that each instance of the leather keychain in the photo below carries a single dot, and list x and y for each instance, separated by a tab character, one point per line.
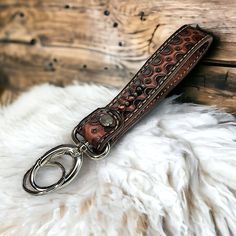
98	131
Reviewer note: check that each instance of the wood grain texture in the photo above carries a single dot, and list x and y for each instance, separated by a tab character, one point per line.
107	42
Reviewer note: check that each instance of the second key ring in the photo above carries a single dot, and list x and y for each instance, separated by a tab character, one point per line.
48	159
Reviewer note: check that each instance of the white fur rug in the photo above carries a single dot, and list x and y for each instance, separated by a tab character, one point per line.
174	173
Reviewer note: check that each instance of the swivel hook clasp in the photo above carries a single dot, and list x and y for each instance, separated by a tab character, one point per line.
52	158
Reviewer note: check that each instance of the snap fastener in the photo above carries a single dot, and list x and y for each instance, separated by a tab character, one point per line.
106	120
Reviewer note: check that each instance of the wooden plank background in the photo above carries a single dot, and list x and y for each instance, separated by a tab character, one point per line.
106	42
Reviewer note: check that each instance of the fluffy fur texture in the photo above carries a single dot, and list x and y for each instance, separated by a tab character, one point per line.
174	173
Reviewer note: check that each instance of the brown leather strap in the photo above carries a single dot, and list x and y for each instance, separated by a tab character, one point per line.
157	77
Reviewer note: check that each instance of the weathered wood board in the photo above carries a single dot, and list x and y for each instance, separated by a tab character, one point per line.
107	41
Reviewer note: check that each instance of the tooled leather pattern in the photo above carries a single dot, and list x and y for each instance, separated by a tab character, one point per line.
144	84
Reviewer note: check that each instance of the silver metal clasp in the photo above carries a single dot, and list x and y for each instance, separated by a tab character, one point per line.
52	158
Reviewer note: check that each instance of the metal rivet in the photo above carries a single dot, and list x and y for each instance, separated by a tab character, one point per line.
106	120
139	89
127	103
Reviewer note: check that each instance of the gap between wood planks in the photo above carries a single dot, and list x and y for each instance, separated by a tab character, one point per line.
207	62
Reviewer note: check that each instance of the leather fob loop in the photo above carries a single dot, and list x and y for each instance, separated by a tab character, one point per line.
156	78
